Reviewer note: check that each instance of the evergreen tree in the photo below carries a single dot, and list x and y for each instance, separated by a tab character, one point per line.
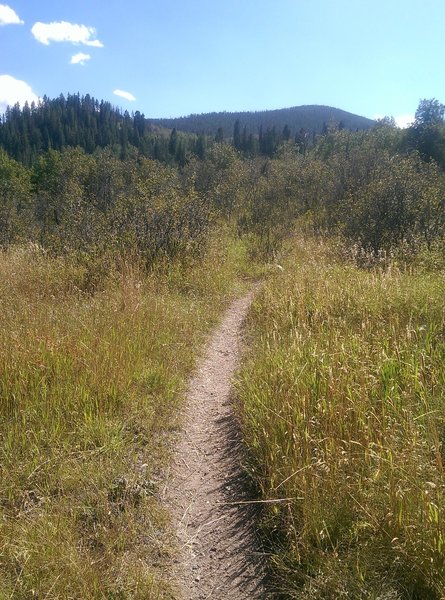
286	133
219	137
302	141
244	139
173	143
181	157
252	145
201	146
269	142
237	135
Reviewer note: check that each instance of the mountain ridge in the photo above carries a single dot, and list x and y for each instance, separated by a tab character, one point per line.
311	117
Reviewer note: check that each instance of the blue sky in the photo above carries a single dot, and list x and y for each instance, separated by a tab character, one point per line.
171	58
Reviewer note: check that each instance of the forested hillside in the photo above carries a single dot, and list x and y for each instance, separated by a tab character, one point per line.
85	122
310	118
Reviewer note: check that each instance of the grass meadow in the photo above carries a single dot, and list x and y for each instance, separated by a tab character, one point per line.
342	400
90	382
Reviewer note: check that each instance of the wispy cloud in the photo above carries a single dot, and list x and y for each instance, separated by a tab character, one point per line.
79	59
14	90
125	95
8	16
62	31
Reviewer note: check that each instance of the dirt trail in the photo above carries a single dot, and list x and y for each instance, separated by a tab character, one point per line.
220	557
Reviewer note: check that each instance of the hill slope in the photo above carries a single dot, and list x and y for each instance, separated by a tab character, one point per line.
311	118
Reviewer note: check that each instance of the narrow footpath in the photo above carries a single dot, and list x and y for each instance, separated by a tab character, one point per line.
220	557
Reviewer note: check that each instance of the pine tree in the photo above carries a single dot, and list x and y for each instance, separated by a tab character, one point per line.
173	143
219	137
237	135
286	133
244	140
201	146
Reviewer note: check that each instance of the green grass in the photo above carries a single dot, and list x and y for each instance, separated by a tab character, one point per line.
90	383
342	399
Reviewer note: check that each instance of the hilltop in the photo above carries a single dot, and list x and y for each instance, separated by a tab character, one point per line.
312	118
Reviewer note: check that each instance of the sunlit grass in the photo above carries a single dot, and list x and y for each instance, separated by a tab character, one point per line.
342	405
89	387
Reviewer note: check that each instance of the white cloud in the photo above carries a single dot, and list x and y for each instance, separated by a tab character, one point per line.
9	16
125	95
65	32
404	120
14	90
401	121
79	59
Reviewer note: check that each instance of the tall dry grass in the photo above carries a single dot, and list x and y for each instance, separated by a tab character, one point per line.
89	387
342	403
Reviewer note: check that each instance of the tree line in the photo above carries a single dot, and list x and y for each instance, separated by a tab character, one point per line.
83	121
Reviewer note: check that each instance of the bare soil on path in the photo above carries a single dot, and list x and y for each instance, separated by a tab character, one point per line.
220	557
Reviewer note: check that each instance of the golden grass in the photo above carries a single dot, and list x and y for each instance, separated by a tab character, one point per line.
342	402
89	387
